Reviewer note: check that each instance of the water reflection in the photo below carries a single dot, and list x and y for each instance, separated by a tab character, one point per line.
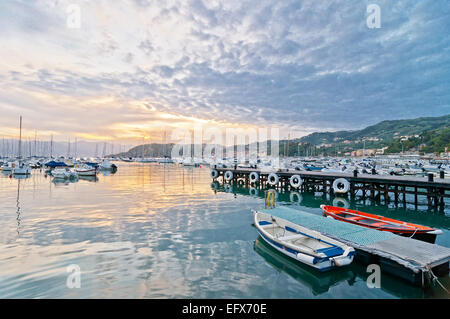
157	231
92	179
60	181
18	211
318	282
418	215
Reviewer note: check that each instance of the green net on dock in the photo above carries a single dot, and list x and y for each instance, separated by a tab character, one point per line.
359	235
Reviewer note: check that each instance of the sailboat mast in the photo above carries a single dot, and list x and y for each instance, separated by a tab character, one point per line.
20	139
51	147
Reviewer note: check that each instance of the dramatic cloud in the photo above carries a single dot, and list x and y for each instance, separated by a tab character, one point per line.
137	67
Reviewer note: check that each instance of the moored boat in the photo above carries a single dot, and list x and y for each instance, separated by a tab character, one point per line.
8	167
86	170
64	173
302	244
21	169
381	223
107	165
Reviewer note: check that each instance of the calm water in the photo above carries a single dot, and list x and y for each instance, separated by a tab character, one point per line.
155	231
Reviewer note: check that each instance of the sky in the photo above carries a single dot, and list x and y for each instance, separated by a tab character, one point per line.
133	69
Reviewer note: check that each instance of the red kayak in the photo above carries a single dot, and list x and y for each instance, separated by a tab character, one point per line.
420	232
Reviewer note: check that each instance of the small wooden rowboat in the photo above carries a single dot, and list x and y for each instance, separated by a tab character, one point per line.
303	244
415	231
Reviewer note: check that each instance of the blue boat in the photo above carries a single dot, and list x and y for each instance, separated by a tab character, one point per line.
312	168
53	164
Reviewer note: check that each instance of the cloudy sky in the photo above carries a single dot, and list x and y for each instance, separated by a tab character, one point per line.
137	67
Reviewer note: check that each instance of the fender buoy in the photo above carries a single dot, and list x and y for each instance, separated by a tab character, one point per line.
272	179
253	191
339	200
295	181
228	176
295	194
253	177
228	188
214	174
341	186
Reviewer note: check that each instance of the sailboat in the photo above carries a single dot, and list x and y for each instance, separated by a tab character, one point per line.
21	168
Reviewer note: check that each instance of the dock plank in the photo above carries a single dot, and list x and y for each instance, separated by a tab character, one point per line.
407	180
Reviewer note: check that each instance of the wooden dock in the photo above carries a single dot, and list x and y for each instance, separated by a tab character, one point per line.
414	261
391	188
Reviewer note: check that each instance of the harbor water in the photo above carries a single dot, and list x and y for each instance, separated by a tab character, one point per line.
167	231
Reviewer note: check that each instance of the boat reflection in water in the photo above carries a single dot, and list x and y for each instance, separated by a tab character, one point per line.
354	275
60	181
21	176
318	282
93	179
10	174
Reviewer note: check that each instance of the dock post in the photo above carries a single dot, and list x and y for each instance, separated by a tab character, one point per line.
442	174
372	191
415	197
430	177
386	193
396	195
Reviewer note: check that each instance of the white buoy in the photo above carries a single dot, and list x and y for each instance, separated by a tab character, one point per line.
228	176
273	179
214	174
341	186
295	181
254	177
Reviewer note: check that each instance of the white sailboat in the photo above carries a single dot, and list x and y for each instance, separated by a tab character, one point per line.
107	165
8	167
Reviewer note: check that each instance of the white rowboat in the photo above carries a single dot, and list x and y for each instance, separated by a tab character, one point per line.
302	244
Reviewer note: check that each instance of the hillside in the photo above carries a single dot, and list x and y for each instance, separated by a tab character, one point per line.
425	134
384	131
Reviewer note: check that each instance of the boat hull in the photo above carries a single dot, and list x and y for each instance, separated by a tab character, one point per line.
22	171
323	266
91	172
381	223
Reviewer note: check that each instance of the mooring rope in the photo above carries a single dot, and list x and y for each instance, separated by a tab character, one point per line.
436	279
415	231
